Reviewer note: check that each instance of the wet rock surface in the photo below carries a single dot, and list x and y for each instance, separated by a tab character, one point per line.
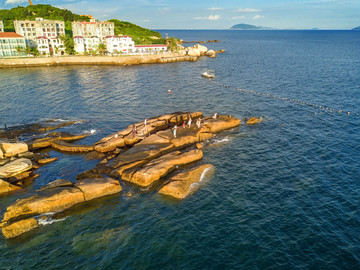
141	154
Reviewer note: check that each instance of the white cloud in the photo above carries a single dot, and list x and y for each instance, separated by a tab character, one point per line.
215	8
214	17
247	10
210	18
238	17
12	2
256	17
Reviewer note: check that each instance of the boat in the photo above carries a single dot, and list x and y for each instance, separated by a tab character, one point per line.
207	75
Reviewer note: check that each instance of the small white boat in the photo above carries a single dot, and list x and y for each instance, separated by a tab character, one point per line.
207	75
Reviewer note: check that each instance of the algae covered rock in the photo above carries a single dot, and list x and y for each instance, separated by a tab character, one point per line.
253	120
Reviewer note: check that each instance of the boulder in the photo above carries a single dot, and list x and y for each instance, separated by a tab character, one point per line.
19	227
98	187
12	149
15	167
201	48
190	51
45	201
68	147
185	183
222	122
154	170
253	120
6	188
210	53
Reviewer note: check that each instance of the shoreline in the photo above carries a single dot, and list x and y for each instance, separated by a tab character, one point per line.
96	60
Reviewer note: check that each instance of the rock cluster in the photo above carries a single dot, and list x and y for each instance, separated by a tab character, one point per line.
199	50
142	154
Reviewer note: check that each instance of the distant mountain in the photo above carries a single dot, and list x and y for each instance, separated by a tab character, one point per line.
356	28
244	26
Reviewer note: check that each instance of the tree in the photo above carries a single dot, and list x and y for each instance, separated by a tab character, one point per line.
28	50
171	44
35	51
68	43
101	48
19	50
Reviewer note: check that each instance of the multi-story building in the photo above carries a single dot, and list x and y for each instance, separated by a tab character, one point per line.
89	44
11	45
50	46
150	48
93	28
121	44
1	26
39	28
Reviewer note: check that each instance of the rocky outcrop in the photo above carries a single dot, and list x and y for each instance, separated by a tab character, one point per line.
68	147
253	120
185	183
15	167
46	141
19	227
6	188
210	53
154	170
12	149
54	199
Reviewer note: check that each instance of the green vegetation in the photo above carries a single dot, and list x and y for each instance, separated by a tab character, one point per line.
68	43
36	11
139	34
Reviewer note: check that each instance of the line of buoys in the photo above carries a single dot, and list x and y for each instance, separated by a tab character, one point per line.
325	108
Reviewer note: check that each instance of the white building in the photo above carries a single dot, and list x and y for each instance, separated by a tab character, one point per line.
1	26
150	48
9	44
39	28
89	44
121	44
90	29
50	46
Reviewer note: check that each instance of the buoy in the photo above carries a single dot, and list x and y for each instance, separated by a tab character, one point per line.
169	92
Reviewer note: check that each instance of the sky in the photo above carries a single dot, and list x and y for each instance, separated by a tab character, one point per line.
215	14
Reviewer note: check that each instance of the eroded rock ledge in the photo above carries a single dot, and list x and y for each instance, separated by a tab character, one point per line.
142	154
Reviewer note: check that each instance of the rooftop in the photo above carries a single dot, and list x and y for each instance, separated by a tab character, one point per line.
10	35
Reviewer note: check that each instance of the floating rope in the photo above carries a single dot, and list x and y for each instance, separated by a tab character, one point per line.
325	108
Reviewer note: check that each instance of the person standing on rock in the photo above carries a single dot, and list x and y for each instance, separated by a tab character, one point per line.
184	124
215	116
198	123
134	130
174	131
189	122
145	122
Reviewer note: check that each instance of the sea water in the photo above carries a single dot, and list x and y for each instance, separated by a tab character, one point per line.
285	193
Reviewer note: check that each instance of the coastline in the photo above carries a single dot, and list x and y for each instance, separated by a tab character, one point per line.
96	60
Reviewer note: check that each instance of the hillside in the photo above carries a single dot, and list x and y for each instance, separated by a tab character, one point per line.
356	28
244	26
35	11
139	34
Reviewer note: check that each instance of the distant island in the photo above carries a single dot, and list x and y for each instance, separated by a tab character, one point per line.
244	26
356	28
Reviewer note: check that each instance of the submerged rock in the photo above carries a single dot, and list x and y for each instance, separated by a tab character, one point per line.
19	227
253	120
46	141
185	183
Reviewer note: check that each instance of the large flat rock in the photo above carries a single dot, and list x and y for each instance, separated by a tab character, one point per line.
185	183
15	167
12	149
154	170
46	141
45	201
98	187
68	147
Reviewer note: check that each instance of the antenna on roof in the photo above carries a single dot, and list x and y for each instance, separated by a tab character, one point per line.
30	3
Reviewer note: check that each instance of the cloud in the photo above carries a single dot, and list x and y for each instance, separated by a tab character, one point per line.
256	17
215	8
163	10
210	18
12	2
246	10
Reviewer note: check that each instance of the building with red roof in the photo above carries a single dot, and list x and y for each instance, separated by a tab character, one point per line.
12	45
